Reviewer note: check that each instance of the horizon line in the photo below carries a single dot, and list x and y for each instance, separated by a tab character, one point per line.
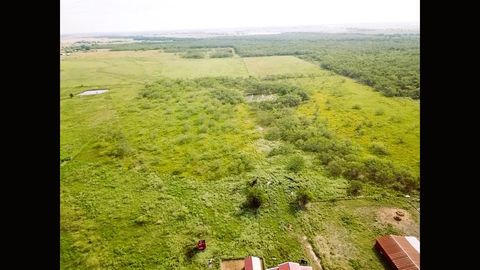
414	23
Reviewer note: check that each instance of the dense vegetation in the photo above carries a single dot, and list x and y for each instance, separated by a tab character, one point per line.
193	54
340	157
389	63
392	71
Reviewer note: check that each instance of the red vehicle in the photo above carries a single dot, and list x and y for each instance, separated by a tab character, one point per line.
201	245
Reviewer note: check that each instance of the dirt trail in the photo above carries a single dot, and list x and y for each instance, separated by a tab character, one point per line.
309	249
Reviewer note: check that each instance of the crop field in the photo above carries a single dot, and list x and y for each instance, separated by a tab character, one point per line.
174	151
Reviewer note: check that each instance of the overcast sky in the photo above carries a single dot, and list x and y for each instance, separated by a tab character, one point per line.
90	16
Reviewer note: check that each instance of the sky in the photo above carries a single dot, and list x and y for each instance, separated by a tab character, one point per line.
97	16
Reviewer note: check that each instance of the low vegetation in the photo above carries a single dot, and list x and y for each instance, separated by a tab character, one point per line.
255	198
193	54
355	188
176	154
304	196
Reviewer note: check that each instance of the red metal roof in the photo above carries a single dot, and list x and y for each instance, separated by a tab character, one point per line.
289	266
293	266
399	252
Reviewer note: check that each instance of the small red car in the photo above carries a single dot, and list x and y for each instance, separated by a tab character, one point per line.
201	245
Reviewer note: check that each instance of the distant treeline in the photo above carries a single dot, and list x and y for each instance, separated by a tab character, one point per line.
389	63
206	53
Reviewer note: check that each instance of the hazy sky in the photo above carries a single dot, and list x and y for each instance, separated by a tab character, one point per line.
88	16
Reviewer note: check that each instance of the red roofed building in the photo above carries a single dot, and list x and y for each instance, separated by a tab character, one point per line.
253	263
291	266
256	263
402	252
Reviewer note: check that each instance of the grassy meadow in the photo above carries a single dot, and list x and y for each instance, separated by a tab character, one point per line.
170	154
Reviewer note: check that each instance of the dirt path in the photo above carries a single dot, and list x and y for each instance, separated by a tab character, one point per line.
309	249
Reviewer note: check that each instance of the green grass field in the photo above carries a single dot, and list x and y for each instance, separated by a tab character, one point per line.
167	156
104	68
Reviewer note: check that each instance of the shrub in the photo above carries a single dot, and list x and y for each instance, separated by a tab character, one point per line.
281	150
296	163
336	167
395	119
353	169
122	149
379	170
230	96
267	105
141	220
317	144
404	180
378	148
149	93
241	163
203	129
379	112
193	54
289	100
221	55
182	139
273	134
255	199
181	213
326	157
190	251
265	119
304	196
303	95
355	188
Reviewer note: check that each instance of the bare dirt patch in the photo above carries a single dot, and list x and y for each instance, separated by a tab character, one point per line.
258	98
234	264
405	223
309	249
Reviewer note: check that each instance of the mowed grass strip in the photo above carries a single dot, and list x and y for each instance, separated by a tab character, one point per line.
117	67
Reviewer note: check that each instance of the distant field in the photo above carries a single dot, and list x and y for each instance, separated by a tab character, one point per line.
390	63
101	69
139	66
176	67
126	67
167	156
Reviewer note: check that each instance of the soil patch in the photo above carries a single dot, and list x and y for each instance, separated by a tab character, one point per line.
311	254
404	223
258	98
